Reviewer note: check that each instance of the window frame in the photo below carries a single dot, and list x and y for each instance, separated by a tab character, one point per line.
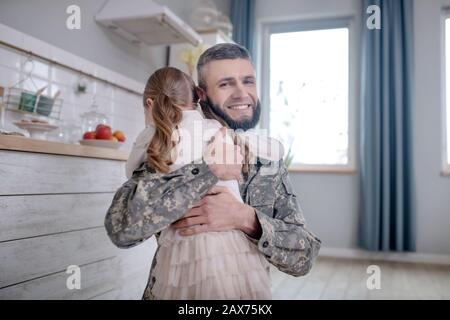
445	126
269	28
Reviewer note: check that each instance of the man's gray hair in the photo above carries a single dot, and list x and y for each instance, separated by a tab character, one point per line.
220	51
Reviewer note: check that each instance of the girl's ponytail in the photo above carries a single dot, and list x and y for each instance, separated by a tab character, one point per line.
169	89
166	116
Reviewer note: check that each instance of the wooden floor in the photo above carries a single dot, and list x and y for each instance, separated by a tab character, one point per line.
333	278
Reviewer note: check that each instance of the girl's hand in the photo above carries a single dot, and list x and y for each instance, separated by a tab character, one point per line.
223	158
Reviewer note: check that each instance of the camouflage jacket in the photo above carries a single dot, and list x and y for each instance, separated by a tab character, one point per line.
148	202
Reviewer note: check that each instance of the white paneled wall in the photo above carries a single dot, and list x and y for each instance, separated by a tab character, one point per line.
123	108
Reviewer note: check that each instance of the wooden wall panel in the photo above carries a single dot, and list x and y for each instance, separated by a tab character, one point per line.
34	173
28	216
52	211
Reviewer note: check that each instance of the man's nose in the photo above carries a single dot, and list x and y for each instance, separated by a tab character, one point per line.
240	91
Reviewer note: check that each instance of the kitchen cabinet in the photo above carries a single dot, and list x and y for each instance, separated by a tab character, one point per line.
53	200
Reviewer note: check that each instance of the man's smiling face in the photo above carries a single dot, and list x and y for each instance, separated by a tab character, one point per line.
231	91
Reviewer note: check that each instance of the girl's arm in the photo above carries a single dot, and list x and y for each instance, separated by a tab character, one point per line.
149	201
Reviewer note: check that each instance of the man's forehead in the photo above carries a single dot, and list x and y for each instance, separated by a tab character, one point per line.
228	68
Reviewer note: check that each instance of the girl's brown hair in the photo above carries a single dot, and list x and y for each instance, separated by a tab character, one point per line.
169	89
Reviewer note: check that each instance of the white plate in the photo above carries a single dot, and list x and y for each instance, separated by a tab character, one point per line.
35	129
101	143
35	126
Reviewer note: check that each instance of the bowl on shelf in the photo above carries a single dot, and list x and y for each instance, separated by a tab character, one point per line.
101	143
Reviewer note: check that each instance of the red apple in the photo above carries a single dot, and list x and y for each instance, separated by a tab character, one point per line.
119	135
89	135
103	132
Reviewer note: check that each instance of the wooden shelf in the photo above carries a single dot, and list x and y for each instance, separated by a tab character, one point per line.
18	143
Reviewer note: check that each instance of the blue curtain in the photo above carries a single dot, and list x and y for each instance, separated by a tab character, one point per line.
387	219
242	16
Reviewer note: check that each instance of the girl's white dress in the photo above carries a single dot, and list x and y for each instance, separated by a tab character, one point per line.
209	265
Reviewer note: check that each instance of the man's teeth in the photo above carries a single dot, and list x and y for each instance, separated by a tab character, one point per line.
240	107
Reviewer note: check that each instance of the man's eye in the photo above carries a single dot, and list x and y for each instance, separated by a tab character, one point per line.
249	82
223	85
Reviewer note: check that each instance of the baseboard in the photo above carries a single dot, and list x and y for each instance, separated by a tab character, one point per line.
411	257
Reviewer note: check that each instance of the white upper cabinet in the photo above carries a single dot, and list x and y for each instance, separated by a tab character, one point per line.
144	21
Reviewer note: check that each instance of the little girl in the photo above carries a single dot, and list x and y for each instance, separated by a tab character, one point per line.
210	265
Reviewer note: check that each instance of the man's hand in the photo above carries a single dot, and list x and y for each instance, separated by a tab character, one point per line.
224	158
219	210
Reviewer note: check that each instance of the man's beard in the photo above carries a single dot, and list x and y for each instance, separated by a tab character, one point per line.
244	124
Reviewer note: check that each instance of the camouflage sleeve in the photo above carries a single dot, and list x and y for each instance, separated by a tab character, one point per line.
149	201
285	240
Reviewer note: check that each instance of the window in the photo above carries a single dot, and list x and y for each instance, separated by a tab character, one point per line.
447	94
308	89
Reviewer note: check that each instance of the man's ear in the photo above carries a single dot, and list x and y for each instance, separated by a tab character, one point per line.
148	103
148	111
201	93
